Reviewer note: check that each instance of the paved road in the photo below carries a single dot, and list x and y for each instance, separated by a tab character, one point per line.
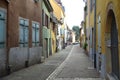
77	66
69	64
40	71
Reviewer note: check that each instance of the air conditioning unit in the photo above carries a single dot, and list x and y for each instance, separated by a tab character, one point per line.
36	1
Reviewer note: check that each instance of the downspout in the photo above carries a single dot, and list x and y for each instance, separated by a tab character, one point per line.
8	67
28	48
42	25
95	35
43	55
28	52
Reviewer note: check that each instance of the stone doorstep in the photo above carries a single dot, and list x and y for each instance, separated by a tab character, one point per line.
42	59
110	77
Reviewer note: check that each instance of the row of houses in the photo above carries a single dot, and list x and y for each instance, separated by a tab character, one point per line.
101	28
30	31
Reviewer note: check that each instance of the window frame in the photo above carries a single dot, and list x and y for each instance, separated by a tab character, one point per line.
25	26
36	43
3	44
43	17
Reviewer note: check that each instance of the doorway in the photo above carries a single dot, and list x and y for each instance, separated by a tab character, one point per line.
114	48
112	54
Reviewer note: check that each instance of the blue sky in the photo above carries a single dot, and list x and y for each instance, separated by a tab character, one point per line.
74	10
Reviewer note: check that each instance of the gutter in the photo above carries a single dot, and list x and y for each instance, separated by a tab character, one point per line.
95	35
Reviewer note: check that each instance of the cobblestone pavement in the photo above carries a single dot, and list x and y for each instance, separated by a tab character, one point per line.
40	71
77	66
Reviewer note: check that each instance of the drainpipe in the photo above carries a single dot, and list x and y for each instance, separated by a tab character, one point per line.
27	61
42	55
8	66
95	35
42	24
28	56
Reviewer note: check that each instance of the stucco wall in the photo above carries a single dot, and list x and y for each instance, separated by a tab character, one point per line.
57	9
2	62
102	11
102	8
53	42
18	57
27	9
35	55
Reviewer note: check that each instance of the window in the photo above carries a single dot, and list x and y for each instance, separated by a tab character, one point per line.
92	2
61	31
43	17
46	20
2	28
35	34
23	42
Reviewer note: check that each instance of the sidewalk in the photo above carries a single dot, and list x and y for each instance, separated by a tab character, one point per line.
77	66
40	71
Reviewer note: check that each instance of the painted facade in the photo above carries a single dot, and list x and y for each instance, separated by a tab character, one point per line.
54	25
89	24
53	29
28	32
46	10
3	26
109	21
107	36
20	44
59	14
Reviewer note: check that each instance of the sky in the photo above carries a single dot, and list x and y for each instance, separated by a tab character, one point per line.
74	10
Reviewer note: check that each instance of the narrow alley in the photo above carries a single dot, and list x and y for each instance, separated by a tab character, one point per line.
69	64
77	66
59	40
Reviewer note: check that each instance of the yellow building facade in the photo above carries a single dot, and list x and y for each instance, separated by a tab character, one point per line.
57	9
89	23
107	36
110	32
59	14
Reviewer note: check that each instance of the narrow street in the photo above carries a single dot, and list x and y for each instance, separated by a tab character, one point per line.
59	40
77	66
40	71
69	64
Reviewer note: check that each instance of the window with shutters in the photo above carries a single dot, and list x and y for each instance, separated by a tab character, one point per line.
23	32
35	33
2	28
